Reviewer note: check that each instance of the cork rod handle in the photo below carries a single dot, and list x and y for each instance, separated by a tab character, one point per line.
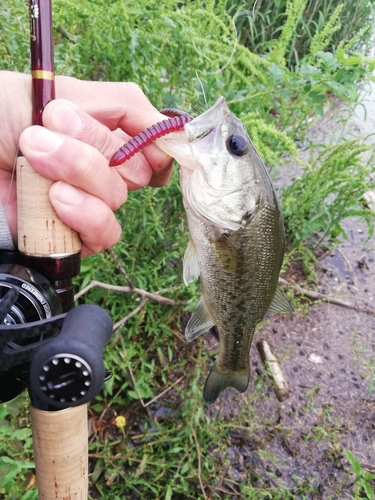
40	231
61	453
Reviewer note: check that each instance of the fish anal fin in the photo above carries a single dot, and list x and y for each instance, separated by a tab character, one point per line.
279	303
199	323
191	269
217	381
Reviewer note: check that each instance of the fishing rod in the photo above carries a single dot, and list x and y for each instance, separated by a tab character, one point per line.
47	345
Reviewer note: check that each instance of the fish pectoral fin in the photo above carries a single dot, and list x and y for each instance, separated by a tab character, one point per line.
199	322
190	267
280	303
217	381
228	255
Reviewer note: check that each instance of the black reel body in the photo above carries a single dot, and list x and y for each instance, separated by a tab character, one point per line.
58	356
37	298
26	296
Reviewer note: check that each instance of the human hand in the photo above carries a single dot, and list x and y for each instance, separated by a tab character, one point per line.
73	149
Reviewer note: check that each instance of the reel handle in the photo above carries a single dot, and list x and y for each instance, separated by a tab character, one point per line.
69	370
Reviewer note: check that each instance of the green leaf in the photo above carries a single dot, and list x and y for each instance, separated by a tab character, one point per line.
368	490
352	94
86	280
17	463
352	61
132	394
168	493
98	470
354	463
329	60
185	468
141	467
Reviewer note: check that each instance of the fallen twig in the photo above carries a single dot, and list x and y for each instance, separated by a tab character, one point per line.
327	298
144	294
199	453
145	405
120	266
123	320
164	392
278	380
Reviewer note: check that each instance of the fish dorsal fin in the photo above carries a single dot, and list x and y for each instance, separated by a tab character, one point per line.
279	303
199	323
190	267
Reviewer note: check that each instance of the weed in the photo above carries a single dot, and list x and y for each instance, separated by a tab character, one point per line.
327	192
263	27
363	478
15	459
364	357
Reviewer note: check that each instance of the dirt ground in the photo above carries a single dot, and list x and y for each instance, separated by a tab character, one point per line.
328	357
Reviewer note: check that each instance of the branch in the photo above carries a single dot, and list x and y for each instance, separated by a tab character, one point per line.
135	311
327	298
120	266
144	294
193	431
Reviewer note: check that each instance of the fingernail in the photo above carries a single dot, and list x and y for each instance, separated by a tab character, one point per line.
65	193
165	164
65	118
41	139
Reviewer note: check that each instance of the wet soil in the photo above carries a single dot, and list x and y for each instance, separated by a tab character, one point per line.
328	357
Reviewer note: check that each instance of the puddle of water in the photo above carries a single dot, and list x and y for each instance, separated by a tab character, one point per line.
336	261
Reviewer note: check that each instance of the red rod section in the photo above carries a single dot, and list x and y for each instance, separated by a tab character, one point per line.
42	68
63	264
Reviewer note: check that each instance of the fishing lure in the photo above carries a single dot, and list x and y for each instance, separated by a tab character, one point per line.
175	122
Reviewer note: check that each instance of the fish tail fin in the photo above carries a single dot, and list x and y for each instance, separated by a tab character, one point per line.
218	381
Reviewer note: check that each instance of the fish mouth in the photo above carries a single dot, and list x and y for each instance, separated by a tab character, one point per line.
210	119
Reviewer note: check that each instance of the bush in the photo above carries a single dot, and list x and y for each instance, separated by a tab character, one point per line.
263	26
328	191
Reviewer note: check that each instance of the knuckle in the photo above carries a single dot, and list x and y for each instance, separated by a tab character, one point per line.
118	197
108	234
132	89
84	167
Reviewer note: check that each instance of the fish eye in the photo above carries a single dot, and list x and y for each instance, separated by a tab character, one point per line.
237	145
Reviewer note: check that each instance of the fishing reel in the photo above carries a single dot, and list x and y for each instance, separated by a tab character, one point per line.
57	355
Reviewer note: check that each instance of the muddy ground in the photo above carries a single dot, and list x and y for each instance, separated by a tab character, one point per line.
328	356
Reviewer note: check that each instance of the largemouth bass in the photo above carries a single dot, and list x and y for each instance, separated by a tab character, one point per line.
237	238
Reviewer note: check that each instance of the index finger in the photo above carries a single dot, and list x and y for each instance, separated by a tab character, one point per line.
115	104
119	105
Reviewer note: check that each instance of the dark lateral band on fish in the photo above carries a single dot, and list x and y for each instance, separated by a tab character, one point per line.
176	121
